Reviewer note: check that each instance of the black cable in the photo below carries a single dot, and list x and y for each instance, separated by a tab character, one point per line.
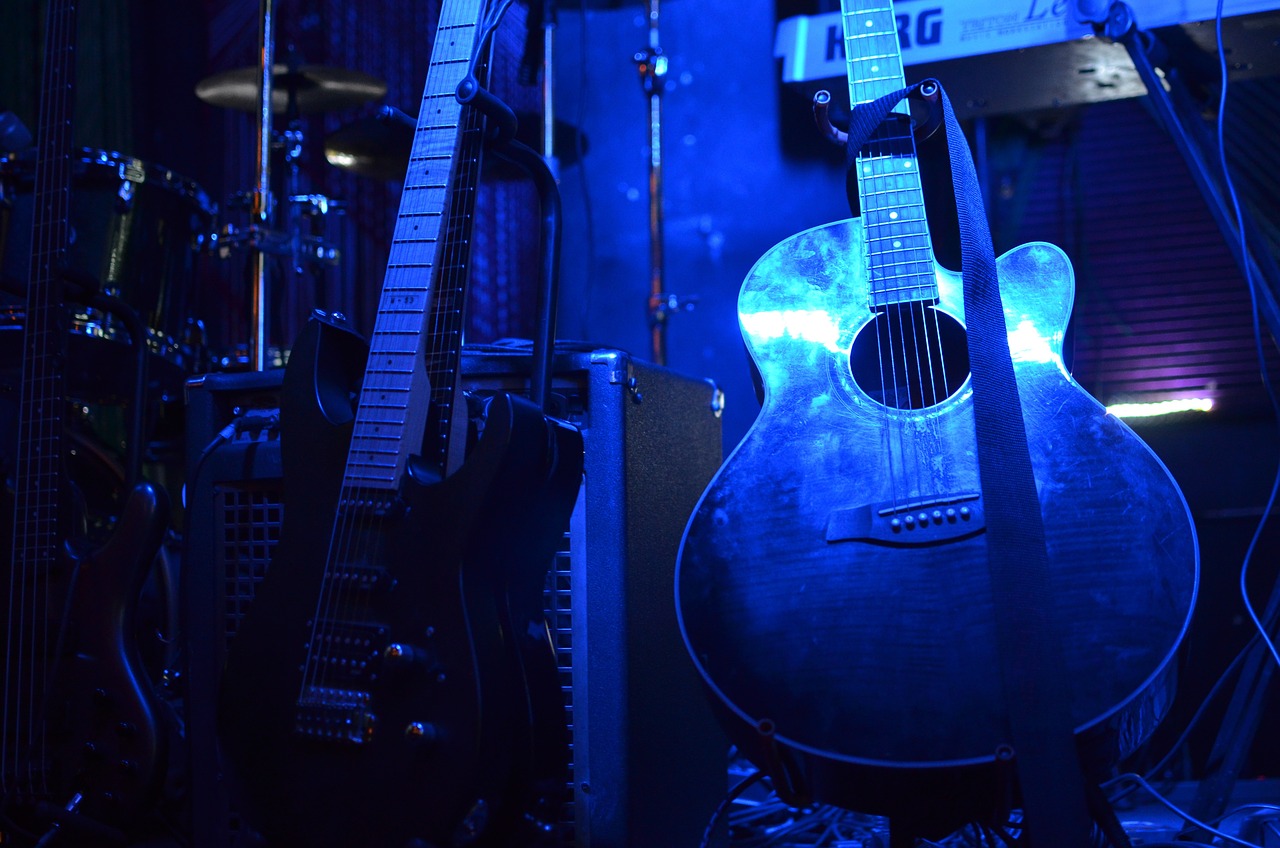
1247	264
1233	666
255	422
729	798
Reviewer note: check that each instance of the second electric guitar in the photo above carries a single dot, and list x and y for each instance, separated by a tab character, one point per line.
384	690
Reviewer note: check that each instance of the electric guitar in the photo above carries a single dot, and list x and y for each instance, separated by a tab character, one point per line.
82	750
833	586
387	687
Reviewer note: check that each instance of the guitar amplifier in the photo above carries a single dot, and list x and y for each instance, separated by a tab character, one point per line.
648	759
233	508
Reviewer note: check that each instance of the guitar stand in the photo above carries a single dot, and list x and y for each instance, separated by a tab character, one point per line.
927	95
503	143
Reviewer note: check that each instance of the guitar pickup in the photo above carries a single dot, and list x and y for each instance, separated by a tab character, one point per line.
382	506
347	577
335	715
347	649
928	521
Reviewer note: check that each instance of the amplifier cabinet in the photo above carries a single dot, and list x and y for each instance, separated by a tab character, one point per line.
648	758
234	513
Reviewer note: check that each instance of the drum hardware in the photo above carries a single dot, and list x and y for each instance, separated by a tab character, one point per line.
302	249
652	64
304	89
239	360
138	332
109	374
291	89
378	145
138	230
262	201
14	135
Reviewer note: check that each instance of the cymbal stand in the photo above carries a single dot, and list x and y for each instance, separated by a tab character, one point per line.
652	65
262	204
546	10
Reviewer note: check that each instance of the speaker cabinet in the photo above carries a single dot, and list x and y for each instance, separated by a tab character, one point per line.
648	759
234	514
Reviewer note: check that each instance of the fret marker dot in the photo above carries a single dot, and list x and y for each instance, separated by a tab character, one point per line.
897	244
893	216
866	169
875	69
907	165
871	23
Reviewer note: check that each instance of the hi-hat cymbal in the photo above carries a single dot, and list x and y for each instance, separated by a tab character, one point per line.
379	146
313	88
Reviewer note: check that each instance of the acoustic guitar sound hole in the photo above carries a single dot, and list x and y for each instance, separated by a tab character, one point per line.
910	356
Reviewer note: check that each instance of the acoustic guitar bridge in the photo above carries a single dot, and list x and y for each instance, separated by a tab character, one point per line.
927	521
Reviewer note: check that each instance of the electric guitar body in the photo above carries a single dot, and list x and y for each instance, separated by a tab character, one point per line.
85	750
833	587
419	730
394	683
113	749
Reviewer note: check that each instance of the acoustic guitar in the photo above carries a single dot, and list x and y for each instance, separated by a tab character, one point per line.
394	682
83	753
833	586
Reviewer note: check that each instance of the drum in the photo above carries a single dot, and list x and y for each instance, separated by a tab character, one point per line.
136	231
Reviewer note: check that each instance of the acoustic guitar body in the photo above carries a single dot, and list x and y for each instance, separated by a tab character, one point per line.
832	585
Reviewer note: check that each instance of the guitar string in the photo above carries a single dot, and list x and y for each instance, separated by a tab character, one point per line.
33	581
346	599
898	145
851	51
61	233
34	506
347	521
919	335
357	522
448	316
889	383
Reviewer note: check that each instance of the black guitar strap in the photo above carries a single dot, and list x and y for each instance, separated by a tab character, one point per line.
1041	732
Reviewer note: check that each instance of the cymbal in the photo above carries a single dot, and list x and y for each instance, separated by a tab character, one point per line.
379	146
376	146
314	88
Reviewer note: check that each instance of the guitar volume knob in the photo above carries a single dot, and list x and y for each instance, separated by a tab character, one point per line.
421	733
399	656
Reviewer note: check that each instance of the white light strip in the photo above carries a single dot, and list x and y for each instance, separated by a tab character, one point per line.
1160	407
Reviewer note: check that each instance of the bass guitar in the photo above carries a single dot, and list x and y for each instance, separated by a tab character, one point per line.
389	686
82	751
833	583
